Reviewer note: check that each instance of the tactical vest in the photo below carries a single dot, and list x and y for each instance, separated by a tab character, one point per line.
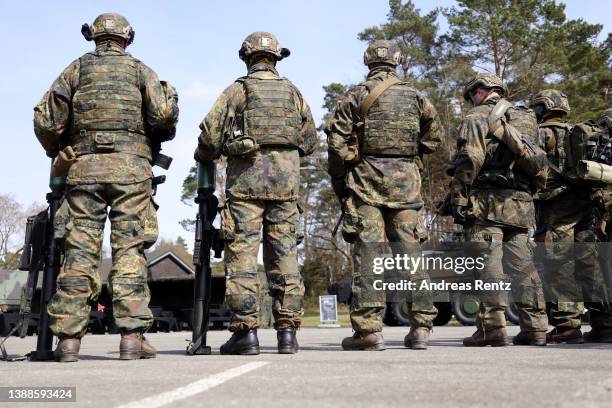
392	125
270	116
500	169
107	112
524	120
559	155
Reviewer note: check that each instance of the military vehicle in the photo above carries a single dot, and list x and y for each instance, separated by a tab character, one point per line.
463	305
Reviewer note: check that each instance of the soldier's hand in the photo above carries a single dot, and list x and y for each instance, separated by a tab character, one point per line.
458	213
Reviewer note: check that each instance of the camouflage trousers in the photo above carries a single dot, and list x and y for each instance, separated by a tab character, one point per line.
78	284
400	228
569	261
242	222
508	256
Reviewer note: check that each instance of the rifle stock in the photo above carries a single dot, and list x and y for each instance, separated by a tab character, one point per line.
207	238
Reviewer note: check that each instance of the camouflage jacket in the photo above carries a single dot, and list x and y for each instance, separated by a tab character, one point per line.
52	124
272	174
477	150
393	182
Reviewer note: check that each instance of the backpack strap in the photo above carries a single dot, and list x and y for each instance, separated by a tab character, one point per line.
378	90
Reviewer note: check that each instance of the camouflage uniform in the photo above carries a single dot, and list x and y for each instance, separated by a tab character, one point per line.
262	188
383	189
600	316
565	219
497	219
104	105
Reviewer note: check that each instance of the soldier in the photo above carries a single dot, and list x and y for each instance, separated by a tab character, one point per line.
492	197
565	215
263	125
104	107
376	137
600	313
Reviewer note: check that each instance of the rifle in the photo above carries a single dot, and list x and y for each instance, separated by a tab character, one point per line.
443	208
42	252
207	238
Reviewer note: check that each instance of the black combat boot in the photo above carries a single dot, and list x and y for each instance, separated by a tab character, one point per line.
242	342
287	340
67	350
599	335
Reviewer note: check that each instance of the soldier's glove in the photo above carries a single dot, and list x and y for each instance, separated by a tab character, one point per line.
458	213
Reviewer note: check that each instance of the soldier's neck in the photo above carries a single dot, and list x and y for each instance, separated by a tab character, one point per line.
109	45
382	69
262	66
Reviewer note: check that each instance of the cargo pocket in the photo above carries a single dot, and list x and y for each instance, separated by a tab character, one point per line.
61	220
151	228
352	224
228	225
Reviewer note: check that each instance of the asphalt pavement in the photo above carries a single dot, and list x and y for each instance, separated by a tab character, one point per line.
322	375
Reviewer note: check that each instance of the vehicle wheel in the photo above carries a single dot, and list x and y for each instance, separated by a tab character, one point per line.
465	308
445	313
512	313
389	318
400	313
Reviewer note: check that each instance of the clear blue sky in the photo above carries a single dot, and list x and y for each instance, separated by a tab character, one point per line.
194	45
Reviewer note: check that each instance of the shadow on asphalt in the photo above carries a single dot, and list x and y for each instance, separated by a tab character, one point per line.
87	357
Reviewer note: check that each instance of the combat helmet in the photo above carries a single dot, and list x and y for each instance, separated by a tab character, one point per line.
552	100
262	42
605	120
383	52
109	25
485	80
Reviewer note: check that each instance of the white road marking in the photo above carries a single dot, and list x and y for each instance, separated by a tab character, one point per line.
194	388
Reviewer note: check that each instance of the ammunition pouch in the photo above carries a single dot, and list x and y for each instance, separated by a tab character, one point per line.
241	146
100	142
351	222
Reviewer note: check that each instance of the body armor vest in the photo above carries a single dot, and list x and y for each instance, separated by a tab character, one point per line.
270	116
392	125
499	169
107	112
